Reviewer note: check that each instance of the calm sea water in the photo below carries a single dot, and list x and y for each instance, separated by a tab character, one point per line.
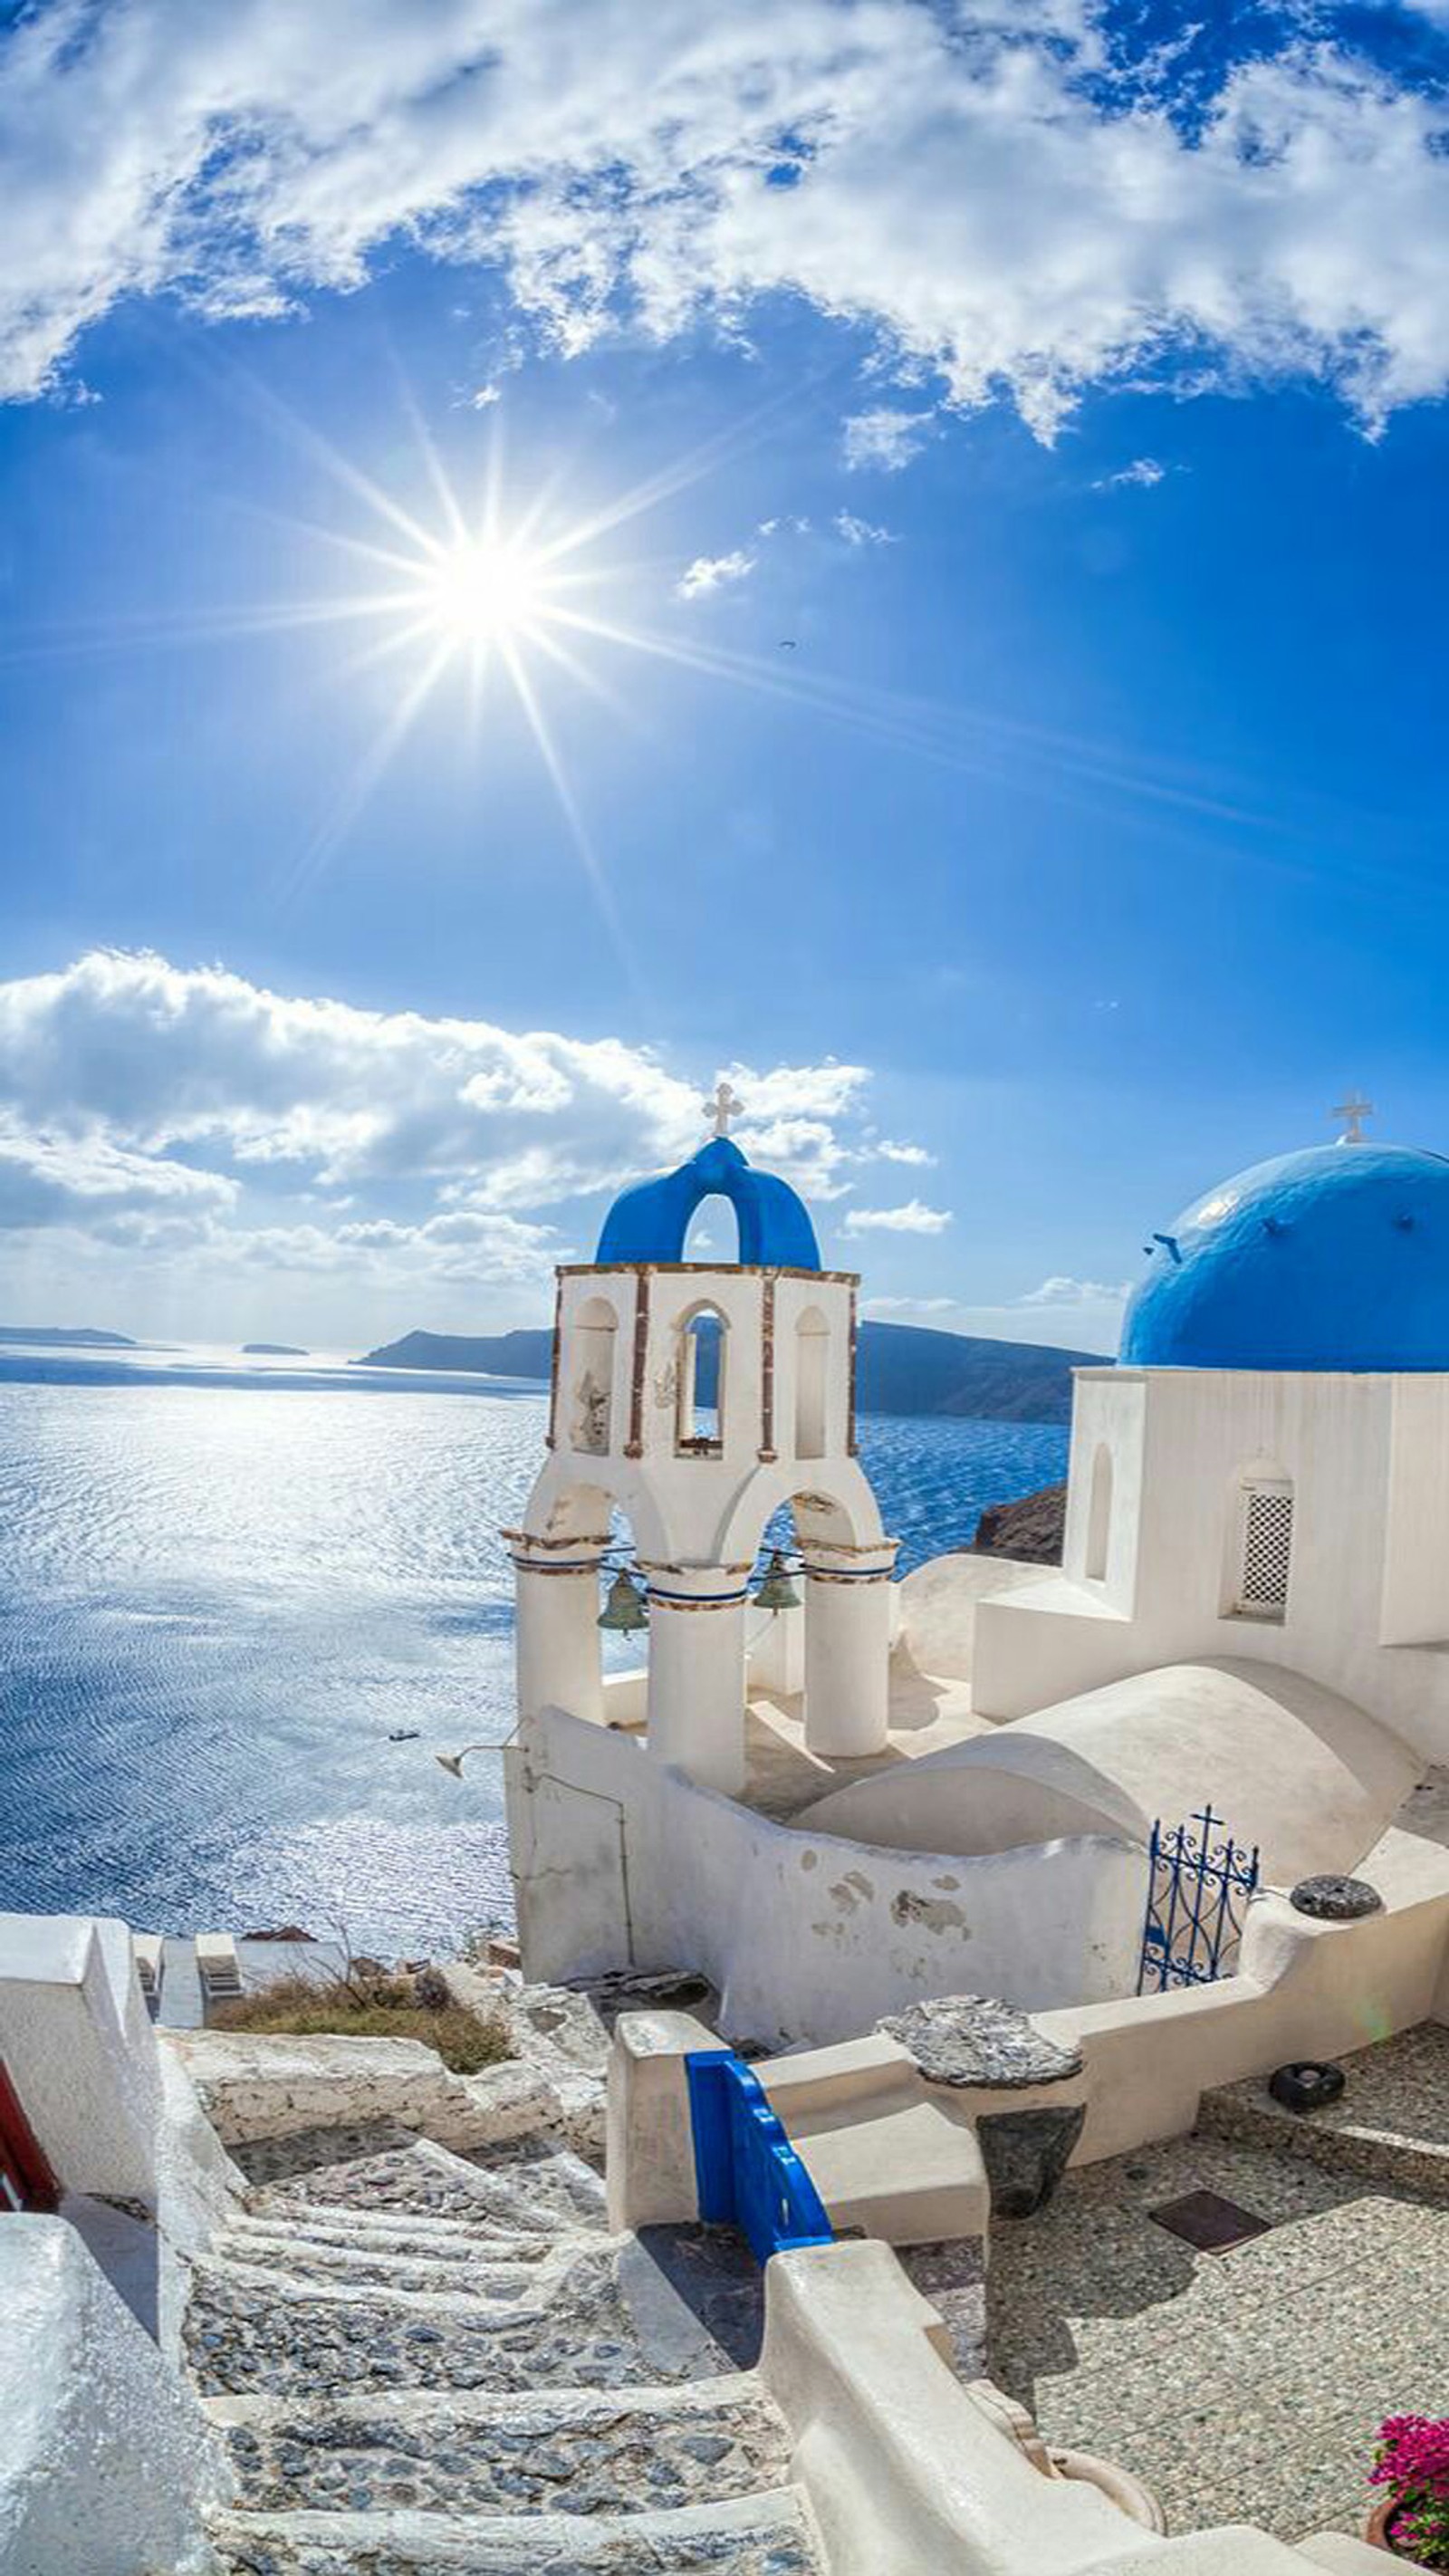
222	1585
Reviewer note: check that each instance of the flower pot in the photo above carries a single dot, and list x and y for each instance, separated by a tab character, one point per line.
1376	2531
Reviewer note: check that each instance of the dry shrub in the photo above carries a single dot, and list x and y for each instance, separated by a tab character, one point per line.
369	2002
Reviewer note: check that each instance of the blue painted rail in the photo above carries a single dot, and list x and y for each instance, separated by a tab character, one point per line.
748	2174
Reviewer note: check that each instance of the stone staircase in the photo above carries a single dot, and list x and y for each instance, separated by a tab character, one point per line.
422	2363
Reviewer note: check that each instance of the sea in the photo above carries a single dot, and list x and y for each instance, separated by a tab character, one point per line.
243	1604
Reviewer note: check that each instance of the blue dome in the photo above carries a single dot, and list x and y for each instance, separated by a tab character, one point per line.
1335	1258
650	1221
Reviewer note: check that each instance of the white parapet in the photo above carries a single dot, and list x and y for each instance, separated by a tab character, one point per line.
77	2042
107	2464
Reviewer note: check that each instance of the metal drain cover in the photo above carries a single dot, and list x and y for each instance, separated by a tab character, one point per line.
1206	2220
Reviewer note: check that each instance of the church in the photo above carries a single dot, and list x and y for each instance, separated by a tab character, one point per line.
834	1793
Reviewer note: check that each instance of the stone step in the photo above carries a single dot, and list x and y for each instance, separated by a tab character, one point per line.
559	2450
395	2231
761	2534
605	2313
521	2191
473	2268
1390	2124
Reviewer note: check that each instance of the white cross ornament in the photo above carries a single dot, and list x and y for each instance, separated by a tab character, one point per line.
722	1106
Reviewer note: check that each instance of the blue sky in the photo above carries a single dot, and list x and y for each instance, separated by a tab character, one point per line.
985	470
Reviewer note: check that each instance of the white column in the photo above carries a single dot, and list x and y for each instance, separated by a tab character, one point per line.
697	1672
847	1648
558	1627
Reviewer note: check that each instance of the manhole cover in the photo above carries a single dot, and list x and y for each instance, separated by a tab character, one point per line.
1206	2220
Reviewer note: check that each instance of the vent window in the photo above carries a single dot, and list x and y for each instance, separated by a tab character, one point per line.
1265	1548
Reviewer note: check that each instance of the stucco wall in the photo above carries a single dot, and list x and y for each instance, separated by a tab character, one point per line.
105	2459
1290	1766
806	1936
80	2049
1371	1518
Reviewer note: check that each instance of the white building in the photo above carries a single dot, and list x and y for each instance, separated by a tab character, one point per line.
1252	1612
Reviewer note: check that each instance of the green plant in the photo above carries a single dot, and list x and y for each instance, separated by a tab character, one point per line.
1412	2461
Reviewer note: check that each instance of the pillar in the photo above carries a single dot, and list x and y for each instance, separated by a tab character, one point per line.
697	1672
847	1648
558	1625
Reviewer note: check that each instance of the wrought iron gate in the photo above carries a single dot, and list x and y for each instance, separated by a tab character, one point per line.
1198	1885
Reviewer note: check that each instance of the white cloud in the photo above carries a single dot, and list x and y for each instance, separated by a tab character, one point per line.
146	1105
1076	1292
911	1306
913	1218
862	532
983	189
884	438
888	1150
1141	475
712	572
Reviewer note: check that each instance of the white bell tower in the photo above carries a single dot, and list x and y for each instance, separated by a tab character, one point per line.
696	1398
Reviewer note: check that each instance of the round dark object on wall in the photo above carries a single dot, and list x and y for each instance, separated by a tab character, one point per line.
1306	2085
1336	1900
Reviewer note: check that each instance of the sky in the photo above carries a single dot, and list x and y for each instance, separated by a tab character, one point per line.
554	549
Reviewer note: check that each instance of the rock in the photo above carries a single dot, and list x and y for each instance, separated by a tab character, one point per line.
1026	2154
978	2040
1030	1529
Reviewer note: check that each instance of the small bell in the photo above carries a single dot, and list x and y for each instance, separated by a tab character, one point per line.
623	1613
777	1592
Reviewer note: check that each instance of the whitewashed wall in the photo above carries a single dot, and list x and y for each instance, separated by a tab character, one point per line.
80	2049
806	1936
1370	1565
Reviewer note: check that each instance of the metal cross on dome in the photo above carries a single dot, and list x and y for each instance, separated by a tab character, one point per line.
722	1106
1355	1109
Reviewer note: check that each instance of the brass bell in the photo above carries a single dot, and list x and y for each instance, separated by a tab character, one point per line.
623	1614
777	1592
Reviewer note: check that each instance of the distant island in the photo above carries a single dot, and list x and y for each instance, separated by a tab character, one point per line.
901	1369
68	1336
273	1351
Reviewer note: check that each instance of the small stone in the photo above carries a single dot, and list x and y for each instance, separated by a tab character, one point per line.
1331	1899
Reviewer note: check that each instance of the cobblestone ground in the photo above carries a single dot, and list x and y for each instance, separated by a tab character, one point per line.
526	2461
718	2553
524	2191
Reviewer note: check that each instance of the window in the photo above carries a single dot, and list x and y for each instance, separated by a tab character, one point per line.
700	1393
591	1390
1099	1516
1265	1546
812	1348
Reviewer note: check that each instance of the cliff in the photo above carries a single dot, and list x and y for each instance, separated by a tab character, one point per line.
901	1369
1032	1527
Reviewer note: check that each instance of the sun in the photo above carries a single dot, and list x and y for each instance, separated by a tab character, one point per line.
485	590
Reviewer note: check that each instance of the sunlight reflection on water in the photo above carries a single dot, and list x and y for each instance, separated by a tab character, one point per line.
218	1593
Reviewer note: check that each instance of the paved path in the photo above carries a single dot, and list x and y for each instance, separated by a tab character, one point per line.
1242	2387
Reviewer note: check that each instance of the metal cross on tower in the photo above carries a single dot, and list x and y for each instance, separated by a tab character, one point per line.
722	1106
1355	1109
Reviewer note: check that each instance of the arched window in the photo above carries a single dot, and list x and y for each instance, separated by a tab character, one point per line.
1099	1515
1263	1551
700	1360
812	1350
591	1388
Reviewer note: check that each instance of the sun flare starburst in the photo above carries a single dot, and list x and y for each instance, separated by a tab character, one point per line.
485	590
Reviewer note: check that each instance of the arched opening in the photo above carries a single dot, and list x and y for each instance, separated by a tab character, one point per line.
713	1234
1099	1516
812	1350
1260	1544
591	1383
700	1359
